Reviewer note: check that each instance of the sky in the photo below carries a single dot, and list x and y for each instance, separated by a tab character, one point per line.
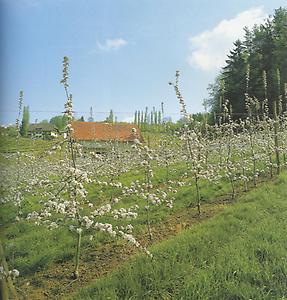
122	53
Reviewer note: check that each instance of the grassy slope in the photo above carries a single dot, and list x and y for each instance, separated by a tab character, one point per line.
8	144
31	248
240	254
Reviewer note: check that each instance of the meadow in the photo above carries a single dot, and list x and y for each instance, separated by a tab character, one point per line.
199	213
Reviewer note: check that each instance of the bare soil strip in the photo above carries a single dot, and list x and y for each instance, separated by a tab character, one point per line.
56	282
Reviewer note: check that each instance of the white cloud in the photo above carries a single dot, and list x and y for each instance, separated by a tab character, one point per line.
111	44
209	48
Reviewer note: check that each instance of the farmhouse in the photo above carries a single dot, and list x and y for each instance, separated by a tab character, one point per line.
96	134
42	131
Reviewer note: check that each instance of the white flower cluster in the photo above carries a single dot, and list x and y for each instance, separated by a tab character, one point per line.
130	238
66	208
125	213
105	227
102	210
86	222
128	228
95	155
69	111
11	273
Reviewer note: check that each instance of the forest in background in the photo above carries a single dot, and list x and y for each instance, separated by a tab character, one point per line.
256	67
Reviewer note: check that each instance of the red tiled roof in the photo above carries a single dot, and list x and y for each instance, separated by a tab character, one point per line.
94	131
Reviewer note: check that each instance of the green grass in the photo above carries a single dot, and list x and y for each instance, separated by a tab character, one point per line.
30	248
9	144
51	247
34	250
240	254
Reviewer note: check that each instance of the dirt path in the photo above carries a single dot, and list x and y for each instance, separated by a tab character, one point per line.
55	282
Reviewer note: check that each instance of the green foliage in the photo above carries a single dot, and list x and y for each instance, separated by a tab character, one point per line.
10	131
59	121
25	121
240	254
9	144
110	118
144	118
263	48
32	250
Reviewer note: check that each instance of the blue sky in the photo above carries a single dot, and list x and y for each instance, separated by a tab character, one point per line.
122	53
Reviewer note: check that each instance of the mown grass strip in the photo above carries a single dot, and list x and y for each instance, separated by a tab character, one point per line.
240	254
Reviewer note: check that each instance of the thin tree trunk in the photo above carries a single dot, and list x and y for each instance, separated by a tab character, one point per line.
198	195
6	284
76	272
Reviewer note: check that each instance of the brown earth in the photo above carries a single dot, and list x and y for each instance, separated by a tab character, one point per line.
56	282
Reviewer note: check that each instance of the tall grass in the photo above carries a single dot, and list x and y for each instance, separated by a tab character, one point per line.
240	254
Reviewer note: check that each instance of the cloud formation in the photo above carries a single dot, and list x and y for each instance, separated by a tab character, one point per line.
209	48
111	44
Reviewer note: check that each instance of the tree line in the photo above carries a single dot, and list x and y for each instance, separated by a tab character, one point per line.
60	121
255	68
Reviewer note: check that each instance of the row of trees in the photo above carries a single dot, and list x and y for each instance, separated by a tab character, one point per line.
25	121
60	121
257	66
155	117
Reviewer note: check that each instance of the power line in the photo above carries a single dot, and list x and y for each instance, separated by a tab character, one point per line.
80	112
121	112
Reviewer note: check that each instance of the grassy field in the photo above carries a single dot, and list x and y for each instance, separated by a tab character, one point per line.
182	268
239	254
9	145
31	248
